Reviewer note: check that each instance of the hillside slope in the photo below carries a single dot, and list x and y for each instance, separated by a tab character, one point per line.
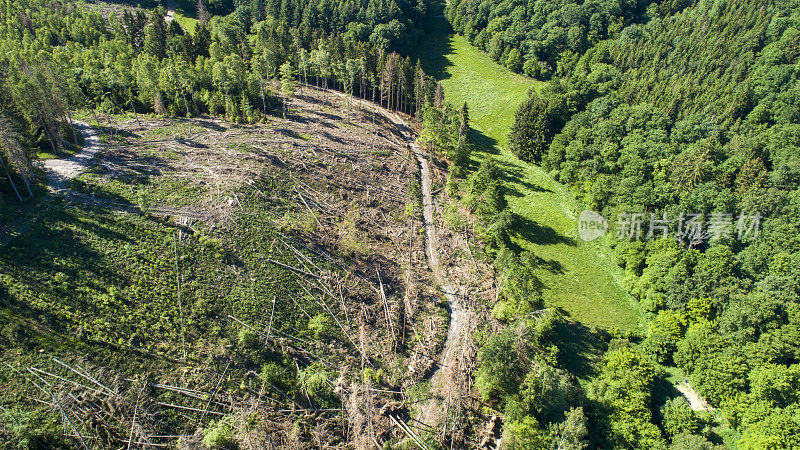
203	270
582	277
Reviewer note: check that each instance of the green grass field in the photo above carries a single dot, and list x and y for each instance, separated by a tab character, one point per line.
580	277
187	23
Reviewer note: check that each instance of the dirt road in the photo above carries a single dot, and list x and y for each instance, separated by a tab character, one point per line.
60	171
458	323
696	402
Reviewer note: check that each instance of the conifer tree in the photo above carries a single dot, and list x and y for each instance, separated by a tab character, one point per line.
155	40
531	131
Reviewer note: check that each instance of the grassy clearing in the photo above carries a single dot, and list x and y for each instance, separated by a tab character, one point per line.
580	277
187	23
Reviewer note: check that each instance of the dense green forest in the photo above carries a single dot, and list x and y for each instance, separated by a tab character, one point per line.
695	112
538	37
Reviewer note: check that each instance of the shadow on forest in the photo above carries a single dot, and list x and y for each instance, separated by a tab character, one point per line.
538	234
663	390
432	49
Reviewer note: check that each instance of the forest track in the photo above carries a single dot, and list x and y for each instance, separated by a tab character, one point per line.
458	323
59	171
696	402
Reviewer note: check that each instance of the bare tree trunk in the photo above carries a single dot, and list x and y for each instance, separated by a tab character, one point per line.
133	106
27	185
13	186
72	127
186	104
52	144
263	100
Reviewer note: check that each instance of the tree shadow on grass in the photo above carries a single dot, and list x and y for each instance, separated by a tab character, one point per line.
538	234
513	176
482	143
550	265
580	348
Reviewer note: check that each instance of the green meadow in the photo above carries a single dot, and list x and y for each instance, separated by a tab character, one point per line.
578	276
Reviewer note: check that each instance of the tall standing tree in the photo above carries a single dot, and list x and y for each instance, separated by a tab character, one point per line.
260	67
438	96
145	68
202	13
352	67
463	124
323	62
287	84
202	41
303	61
532	129
134	25
419	90
155	40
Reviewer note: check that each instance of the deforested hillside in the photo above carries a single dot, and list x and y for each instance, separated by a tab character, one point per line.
210	282
218	231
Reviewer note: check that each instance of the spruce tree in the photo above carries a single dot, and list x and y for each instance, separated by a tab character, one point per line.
155	40
531	132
